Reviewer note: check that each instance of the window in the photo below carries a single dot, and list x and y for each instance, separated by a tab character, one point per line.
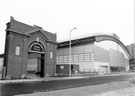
51	55
60	59
17	50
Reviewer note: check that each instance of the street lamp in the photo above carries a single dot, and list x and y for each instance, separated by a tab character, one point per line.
134	22
70	52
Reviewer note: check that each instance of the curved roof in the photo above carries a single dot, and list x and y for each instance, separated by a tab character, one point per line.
98	37
85	36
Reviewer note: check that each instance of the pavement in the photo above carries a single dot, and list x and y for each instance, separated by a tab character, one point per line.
56	78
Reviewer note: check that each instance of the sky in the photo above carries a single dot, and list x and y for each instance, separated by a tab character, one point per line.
60	16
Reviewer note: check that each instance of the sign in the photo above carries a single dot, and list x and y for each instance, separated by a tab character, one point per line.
36	46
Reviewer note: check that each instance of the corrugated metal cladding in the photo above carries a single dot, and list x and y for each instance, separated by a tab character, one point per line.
82	53
89	57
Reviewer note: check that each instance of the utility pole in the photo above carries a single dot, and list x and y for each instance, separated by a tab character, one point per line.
70	51
134	22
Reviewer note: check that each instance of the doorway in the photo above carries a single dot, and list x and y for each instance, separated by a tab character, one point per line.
35	65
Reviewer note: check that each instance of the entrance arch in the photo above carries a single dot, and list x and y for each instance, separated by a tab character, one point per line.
36	46
36	60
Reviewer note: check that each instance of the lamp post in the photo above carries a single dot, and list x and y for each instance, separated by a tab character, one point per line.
134	22
70	52
134	32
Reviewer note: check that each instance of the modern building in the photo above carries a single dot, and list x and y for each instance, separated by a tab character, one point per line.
131	49
30	51
101	53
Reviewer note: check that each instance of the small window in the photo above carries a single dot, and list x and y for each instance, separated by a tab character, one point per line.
51	55
17	50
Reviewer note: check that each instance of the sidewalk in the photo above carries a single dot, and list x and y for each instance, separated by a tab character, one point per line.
55	78
121	92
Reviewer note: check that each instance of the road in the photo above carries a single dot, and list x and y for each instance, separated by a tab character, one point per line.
43	86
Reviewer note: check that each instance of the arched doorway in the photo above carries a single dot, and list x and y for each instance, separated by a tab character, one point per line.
36	60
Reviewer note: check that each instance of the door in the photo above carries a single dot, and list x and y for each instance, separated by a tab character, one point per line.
42	65
35	65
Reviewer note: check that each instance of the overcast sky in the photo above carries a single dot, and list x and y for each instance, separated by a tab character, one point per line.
60	16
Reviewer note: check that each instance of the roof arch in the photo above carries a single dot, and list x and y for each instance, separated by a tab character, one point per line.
98	37
103	37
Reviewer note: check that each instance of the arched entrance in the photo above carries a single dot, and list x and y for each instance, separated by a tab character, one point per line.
36	60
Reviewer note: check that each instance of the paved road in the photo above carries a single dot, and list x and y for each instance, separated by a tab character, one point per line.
39	86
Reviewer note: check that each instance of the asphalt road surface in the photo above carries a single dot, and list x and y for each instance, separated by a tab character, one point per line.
43	86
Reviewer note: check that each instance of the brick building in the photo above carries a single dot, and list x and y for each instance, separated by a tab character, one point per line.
30	51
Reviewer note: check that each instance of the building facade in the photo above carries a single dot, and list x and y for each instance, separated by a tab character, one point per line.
131	49
30	51
88	55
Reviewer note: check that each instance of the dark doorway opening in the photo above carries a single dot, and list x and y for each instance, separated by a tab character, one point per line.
42	65
35	65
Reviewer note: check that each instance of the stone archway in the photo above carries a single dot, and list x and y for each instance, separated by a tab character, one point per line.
36	46
36	60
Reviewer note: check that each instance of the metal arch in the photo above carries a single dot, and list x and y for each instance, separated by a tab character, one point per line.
100	38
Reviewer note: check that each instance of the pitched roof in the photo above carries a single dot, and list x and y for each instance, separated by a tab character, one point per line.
26	29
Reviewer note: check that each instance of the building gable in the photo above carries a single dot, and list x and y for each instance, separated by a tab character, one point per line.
21	28
36	31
